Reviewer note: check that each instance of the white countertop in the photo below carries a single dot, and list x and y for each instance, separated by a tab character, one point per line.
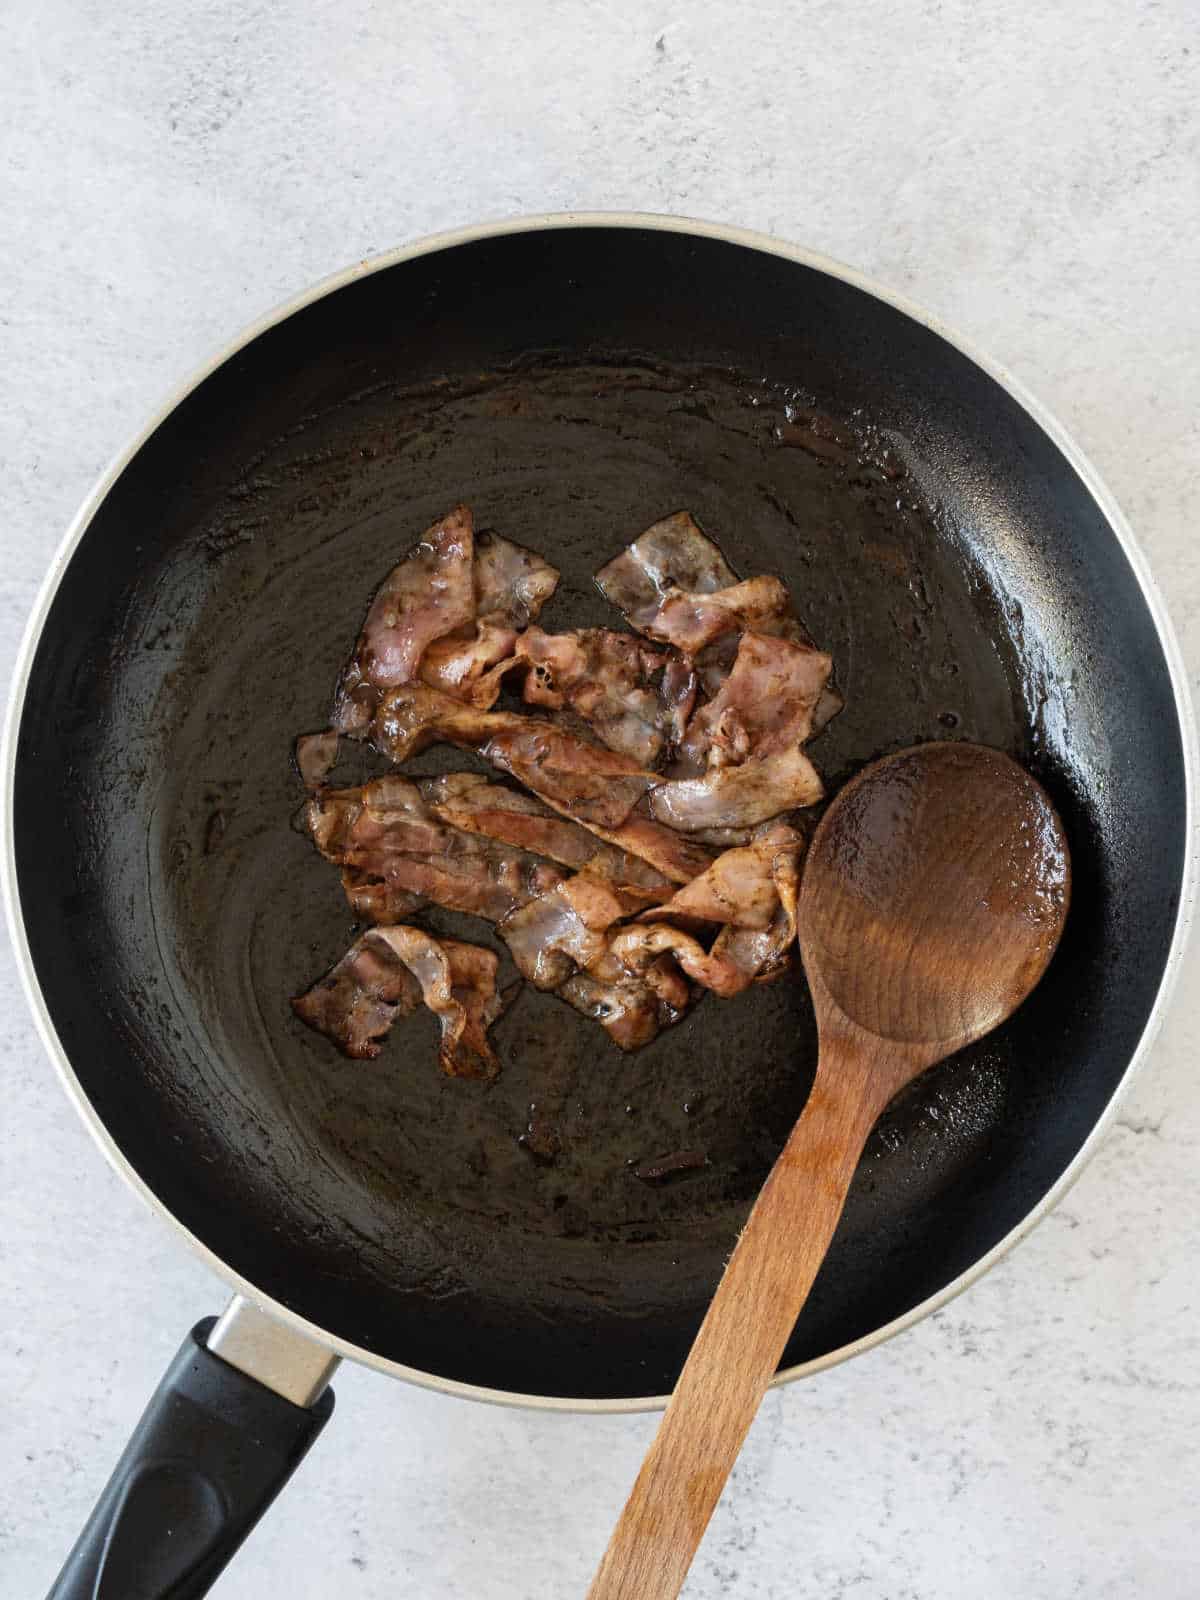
1032	174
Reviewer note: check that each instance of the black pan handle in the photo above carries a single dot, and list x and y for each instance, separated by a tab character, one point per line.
212	1450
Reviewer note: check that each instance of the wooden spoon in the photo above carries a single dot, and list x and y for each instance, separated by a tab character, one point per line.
934	894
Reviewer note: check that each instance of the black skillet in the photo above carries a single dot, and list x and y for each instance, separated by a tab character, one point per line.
573	380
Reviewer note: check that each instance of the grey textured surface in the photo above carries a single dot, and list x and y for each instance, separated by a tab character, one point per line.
1032	175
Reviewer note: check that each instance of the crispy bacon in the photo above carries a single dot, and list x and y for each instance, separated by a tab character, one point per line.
673	584
715	662
342	822
566	927
632	1010
471	668
397	853
739	888
588	782
316	757
428	595
599	838
637	698
738	796
637	948
671	555
754	892
466	1051
563	941
386	973
357	1000
374	899
592	786
671	987
470	801
722	838
692	621
512	584
766	702
489	881
764	955
668	852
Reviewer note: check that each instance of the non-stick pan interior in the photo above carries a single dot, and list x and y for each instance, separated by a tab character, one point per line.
573	386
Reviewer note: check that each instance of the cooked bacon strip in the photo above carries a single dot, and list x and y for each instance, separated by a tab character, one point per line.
373	899
637	948
671	555
673	584
677	692
357	1000
631	1010
668	852
541	938
490	882
757	953
466	1051
765	955
715	662
470	801
637	698
570	927
669	984
316	757
665	857
721	838
566	927
386	973
739	888
691	621
386	812
827	707
471	668
581	779
628	1011
469	789
397	853
575	778
512	584
589	783
428	595
737	797
664	854
766	702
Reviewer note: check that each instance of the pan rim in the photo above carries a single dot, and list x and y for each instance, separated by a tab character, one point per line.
452	239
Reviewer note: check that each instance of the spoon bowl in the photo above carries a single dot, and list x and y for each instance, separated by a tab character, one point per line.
934	894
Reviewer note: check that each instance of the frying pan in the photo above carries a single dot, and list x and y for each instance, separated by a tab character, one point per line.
574	379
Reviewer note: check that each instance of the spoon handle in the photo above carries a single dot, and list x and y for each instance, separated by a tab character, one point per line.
740	1343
